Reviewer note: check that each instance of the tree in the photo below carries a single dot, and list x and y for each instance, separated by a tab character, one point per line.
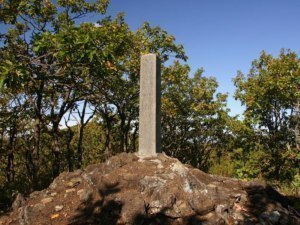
51	60
270	93
194	116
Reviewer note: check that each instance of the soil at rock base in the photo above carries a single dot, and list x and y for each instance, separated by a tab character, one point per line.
128	189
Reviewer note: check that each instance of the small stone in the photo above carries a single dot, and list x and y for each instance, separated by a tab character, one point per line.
74	182
212	186
69	184
238	216
58	208
274	217
206	206
70	190
53	194
46	200
155	207
87	178
222	210
160	166
39	206
80	191
181	207
237	197
84	194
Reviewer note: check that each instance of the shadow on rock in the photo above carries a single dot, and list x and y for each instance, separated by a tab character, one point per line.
296	202
107	211
104	211
160	218
155	219
266	204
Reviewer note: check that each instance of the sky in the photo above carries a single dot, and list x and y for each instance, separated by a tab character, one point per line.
222	36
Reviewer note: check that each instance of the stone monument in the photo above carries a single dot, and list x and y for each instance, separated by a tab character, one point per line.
150	103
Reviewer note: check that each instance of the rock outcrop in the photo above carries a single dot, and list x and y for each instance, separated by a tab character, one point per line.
131	190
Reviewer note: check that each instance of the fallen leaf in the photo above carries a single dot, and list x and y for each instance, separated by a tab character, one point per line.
54	216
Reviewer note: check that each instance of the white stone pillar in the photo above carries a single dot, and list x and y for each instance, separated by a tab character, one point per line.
150	103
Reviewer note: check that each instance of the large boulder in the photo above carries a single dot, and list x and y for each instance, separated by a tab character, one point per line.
128	189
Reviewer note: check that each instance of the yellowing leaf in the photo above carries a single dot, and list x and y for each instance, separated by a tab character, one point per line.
54	216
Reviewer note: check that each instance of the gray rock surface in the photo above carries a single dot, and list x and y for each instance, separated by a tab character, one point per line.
159	190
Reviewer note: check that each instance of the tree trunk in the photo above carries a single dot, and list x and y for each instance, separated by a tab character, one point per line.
70	136
10	173
37	139
69	150
134	137
81	132
122	141
126	135
79	146
55	150
35	154
107	145
123	133
297	126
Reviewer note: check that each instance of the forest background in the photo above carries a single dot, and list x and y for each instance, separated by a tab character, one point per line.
69	98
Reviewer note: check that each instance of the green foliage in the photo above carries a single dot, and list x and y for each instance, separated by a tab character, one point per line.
271	90
265	144
194	116
93	144
225	166
271	95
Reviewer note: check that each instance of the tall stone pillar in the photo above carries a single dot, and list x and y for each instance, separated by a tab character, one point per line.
150	103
